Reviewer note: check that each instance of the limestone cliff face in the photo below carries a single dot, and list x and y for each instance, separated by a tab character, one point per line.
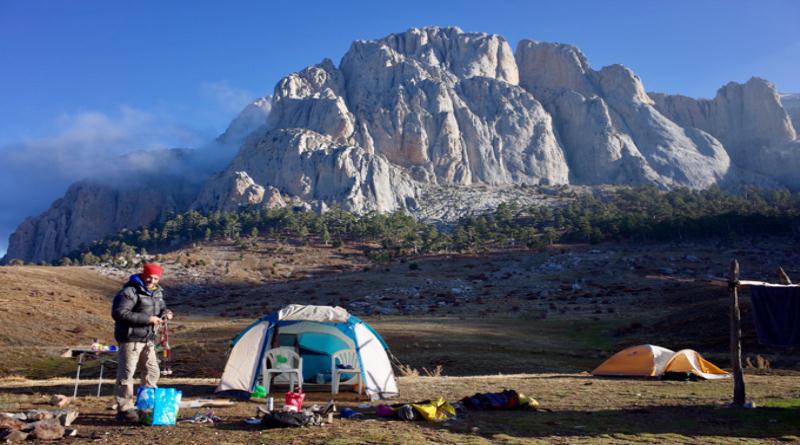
90	211
312	167
441	103
609	128
749	120
252	117
791	103
429	106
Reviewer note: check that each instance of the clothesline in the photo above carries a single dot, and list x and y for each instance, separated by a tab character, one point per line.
764	283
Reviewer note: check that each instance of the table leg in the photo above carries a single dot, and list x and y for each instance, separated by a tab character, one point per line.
77	376
100	382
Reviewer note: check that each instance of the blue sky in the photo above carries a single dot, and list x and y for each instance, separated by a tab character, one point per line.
82	80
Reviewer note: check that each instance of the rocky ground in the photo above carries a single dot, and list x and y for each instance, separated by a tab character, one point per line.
561	310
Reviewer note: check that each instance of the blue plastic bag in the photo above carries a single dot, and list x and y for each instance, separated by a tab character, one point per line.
158	406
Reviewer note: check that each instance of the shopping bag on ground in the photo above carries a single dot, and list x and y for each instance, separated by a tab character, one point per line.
158	406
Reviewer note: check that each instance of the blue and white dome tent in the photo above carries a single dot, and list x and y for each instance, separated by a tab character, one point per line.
316	332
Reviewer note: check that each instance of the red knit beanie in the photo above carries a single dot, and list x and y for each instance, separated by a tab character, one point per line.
152	269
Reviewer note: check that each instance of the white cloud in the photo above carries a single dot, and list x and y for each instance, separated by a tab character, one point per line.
36	171
229	99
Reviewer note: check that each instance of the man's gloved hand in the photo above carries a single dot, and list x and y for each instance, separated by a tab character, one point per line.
153	320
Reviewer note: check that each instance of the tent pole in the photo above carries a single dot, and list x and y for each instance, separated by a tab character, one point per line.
736	336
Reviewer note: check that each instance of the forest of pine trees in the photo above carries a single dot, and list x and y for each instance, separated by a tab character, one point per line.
637	214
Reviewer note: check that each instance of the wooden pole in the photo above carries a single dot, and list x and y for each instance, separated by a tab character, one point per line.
736	336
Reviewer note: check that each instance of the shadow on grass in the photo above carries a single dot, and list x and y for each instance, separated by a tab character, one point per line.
90	389
690	421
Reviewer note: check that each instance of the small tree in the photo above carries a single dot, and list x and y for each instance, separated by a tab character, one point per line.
326	236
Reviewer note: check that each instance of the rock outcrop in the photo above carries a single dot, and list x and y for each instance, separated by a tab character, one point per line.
746	118
311	167
141	188
749	120
791	103
90	211
441	103
610	130
253	116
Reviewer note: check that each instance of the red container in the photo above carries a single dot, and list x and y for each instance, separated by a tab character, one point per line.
295	399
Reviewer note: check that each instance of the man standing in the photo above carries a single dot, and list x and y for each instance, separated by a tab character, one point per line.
137	310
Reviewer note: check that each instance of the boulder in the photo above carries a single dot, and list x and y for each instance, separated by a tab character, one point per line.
48	430
13	436
60	400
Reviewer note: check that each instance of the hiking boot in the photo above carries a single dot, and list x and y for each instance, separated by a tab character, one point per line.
129	416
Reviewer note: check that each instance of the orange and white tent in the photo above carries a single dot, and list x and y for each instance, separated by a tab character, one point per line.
688	360
636	361
654	361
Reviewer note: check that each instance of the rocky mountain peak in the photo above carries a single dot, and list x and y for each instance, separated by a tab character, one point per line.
251	117
463	54
552	66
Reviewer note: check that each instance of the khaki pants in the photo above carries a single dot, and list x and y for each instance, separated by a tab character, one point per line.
130	355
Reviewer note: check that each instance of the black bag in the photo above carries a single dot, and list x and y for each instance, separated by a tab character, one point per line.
280	419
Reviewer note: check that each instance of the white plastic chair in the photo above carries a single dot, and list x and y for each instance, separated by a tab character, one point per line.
348	358
283	360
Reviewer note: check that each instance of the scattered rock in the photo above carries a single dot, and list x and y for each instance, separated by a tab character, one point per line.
7	421
14	436
60	400
39	415
49	429
68	417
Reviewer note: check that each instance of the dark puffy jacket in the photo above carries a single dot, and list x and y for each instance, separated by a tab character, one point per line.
132	308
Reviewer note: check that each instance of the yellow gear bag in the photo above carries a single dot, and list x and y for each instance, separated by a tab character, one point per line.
435	410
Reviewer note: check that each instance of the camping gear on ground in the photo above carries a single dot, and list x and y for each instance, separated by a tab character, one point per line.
435	410
202	417
259	392
349	413
507	399
294	400
527	402
654	361
200	403
316	333
158	406
402	411
283	419
776	314
283	360
384	410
